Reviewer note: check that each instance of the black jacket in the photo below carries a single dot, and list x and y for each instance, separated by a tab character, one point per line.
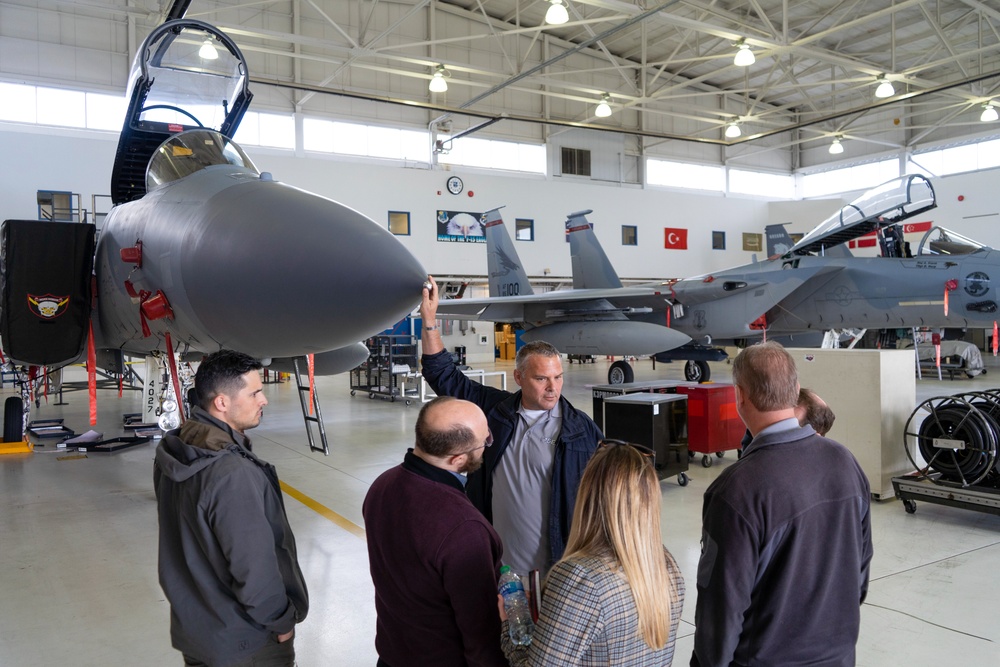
227	558
578	440
786	550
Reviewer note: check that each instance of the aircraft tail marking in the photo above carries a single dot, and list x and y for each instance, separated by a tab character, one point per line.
506	274
591	267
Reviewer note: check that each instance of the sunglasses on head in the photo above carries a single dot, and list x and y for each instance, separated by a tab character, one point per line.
609	442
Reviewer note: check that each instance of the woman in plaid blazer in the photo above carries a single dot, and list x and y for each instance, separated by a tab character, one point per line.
615	598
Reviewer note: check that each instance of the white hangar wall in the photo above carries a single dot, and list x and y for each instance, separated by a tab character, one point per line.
77	161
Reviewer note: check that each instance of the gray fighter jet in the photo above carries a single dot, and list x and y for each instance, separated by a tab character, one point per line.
815	287
204	248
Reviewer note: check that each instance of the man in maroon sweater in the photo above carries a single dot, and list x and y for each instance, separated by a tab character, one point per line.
434	558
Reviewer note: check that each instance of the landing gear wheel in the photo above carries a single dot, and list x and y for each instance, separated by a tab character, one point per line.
682	479
909	506
13	419
706	461
697	371
620	373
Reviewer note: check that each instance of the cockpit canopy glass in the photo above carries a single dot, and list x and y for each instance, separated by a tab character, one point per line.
197	78
941	241
188	152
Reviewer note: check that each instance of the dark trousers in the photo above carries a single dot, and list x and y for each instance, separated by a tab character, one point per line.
272	654
381	663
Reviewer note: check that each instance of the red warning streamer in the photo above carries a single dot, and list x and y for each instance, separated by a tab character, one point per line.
994	338
92	375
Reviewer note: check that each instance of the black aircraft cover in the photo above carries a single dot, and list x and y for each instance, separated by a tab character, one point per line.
45	290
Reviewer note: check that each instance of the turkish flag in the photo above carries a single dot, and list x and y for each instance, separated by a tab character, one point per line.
675	238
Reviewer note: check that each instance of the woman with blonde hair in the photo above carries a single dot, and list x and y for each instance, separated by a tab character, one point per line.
616	595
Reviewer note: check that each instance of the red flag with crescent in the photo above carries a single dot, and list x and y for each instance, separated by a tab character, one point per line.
675	238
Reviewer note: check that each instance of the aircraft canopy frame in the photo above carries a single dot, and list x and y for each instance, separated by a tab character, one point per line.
883	206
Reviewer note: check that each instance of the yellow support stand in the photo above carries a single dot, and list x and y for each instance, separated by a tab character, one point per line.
16	447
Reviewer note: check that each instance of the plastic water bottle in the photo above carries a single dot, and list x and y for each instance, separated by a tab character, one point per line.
515	604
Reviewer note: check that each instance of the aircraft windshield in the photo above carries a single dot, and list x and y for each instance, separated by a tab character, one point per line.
941	241
197	78
191	151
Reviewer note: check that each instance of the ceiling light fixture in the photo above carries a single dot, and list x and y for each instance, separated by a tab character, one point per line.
557	14
208	50
603	109
744	57
836	148
438	83
989	113
885	88
733	130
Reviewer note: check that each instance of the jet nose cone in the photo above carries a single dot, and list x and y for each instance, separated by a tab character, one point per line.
288	272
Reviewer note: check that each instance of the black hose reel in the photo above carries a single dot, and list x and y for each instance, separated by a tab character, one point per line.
957	437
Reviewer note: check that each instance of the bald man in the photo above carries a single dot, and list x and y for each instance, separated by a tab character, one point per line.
434	557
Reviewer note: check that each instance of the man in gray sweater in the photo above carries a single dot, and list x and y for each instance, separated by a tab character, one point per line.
227	554
786	535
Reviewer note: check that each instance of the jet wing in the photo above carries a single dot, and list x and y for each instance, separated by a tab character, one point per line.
592	304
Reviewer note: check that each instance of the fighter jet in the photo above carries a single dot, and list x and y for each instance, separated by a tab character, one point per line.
202	248
598	316
817	286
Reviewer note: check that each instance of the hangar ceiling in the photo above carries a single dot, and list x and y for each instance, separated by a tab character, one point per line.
667	67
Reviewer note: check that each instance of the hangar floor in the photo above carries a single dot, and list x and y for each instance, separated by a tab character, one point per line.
78	569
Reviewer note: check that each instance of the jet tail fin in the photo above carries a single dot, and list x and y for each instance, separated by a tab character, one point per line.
506	274
778	240
591	267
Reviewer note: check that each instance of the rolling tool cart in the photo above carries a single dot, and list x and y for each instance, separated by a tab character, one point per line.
658	421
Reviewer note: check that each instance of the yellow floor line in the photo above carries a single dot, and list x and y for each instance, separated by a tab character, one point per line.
324	511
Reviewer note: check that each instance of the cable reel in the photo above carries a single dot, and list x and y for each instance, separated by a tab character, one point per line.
955	436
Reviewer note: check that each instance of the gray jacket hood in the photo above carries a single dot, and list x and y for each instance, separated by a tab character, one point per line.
186	451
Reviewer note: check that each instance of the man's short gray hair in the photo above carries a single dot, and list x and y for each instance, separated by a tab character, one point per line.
539	347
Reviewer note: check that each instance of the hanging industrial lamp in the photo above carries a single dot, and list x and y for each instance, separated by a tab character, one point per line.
989	113
836	148
557	14
603	109
208	50
733	130
438	83
885	88
744	57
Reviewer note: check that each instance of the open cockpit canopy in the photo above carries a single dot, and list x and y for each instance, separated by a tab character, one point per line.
886	205
187	75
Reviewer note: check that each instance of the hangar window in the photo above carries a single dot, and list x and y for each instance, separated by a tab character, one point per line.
630	235
492	154
575	161
266	129
685	175
847	179
329	136
61	107
956	159
106	112
524	229
399	223
718	240
765	184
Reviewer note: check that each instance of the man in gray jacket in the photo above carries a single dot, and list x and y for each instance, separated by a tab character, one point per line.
227	558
